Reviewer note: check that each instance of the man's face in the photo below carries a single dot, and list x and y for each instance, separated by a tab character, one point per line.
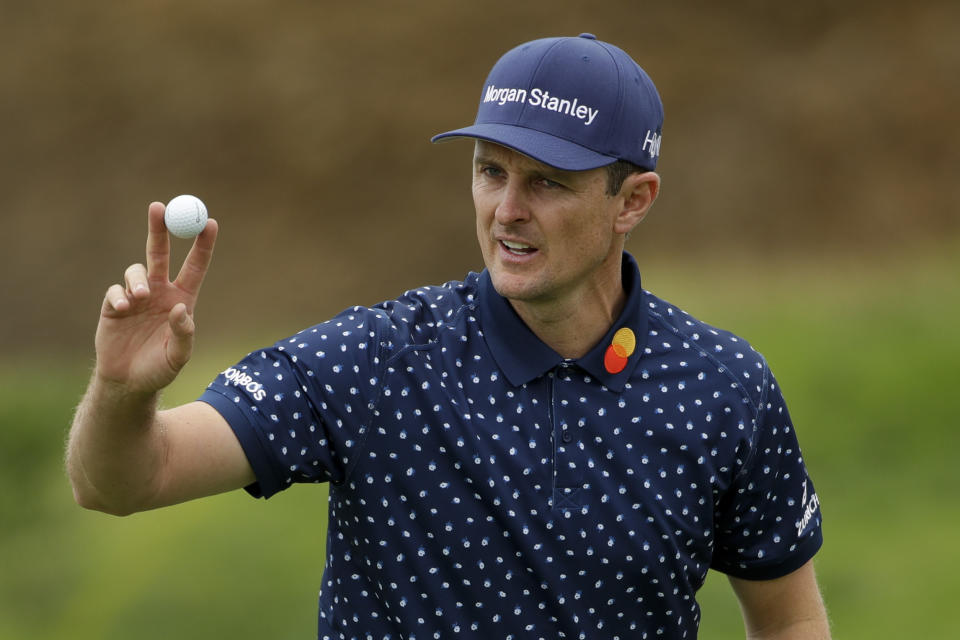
547	235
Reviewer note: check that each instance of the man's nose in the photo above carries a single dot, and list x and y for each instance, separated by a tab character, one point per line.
514	206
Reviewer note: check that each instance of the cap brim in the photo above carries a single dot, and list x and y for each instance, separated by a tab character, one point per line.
540	146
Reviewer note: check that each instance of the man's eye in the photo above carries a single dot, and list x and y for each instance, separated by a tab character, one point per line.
550	184
491	172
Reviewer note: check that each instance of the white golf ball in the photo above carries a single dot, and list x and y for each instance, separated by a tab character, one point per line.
186	216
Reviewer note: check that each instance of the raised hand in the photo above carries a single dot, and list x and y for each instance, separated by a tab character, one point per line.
146	330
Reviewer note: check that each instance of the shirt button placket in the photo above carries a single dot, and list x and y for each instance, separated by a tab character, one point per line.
566	480
566	435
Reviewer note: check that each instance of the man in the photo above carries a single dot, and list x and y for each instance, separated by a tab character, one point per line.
543	450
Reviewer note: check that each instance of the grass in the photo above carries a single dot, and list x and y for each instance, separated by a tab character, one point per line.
867	356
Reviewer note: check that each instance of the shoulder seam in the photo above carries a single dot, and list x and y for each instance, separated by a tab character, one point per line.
756	409
755	436
432	342
720	366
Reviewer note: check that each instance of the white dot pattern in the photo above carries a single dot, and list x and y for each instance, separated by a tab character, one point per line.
572	503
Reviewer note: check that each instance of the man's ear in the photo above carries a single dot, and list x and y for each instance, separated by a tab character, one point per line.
638	192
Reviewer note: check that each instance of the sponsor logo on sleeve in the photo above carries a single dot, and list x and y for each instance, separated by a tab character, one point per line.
810	507
237	378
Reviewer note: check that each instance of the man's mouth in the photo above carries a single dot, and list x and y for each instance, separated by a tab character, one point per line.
517	248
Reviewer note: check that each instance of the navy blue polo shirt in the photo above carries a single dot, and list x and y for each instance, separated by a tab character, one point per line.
483	486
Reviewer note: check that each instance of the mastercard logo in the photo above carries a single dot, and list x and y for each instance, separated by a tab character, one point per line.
621	348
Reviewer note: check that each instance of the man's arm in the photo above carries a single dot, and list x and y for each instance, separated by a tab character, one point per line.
123	455
787	608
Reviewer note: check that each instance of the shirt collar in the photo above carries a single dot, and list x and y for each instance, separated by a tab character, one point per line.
522	356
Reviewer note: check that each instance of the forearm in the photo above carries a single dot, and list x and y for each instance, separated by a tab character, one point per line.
786	608
810	629
115	450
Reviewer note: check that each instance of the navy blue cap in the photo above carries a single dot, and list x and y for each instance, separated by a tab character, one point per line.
572	103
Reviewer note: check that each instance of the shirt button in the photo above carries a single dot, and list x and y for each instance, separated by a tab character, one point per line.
566	436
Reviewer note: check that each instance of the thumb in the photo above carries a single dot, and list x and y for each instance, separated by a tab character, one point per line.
182	329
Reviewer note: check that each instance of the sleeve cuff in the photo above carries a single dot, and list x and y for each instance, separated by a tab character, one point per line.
805	550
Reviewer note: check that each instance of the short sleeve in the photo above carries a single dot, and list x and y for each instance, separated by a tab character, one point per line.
768	523
300	408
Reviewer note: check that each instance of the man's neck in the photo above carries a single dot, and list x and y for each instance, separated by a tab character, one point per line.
572	327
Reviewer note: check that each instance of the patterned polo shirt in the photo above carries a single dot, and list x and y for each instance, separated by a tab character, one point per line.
482	486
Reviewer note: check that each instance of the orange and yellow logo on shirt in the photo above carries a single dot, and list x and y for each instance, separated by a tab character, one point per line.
621	348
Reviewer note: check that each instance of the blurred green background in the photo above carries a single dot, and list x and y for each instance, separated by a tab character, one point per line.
810	203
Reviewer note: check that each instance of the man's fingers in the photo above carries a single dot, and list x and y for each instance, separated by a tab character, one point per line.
158	244
135	280
181	343
120	298
116	300
197	262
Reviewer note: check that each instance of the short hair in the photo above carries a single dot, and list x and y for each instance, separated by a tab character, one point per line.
618	172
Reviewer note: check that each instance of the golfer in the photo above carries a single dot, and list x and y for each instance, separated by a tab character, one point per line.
542	450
